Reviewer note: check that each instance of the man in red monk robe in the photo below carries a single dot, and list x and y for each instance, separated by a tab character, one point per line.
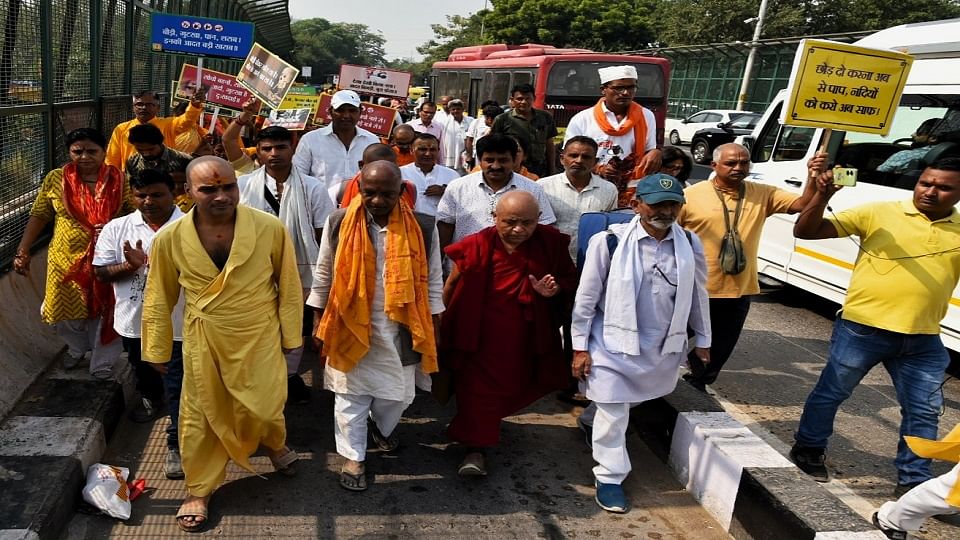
500	336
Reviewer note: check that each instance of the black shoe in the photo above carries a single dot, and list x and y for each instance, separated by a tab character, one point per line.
902	489
811	461
893	534
695	383
146	410
297	391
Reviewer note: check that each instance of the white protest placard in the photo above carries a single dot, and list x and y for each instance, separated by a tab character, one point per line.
374	80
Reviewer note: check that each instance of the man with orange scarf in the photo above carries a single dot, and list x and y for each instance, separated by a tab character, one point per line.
376	294
625	131
509	291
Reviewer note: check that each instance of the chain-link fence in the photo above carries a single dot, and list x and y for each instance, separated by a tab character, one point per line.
66	64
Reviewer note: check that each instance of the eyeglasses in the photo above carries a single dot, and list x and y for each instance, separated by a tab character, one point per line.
623	89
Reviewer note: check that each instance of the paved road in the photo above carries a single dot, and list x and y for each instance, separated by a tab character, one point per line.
783	348
540	486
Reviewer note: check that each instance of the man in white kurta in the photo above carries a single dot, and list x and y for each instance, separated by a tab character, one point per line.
429	178
630	319
455	127
381	384
302	204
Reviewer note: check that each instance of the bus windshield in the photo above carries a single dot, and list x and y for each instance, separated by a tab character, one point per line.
580	79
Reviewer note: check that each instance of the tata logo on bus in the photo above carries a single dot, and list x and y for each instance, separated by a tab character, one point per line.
555	107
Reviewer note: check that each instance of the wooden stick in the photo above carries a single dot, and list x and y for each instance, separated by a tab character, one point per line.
824	144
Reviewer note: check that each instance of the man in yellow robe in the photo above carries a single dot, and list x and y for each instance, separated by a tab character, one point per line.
244	309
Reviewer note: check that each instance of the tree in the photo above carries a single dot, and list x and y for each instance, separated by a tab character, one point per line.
459	31
325	45
602	25
682	22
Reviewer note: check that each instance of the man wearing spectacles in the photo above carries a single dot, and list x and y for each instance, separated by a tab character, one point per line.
625	131
145	107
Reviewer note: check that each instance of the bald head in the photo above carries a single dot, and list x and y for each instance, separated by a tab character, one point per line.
212	184
207	168
518	200
515	217
380	186
404	130
378	152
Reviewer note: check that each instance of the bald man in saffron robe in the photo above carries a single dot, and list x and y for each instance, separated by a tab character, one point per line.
244	310
506	297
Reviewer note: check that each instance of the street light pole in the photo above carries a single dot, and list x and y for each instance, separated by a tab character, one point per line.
751	58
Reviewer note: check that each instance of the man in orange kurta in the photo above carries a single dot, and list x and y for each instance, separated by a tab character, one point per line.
145	106
511	285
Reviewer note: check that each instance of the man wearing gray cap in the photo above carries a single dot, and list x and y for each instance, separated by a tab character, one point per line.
650	266
332	154
625	131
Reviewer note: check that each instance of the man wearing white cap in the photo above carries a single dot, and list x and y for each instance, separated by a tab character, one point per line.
332	153
625	131
643	285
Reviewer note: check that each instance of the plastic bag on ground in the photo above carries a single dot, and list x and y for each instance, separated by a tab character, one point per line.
107	490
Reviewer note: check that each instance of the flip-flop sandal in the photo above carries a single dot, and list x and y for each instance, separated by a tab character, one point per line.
353	482
196	507
387	444
285	463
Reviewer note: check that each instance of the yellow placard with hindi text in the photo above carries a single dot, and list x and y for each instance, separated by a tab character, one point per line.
300	101
845	87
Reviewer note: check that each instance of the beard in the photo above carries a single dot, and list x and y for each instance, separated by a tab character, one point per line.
661	223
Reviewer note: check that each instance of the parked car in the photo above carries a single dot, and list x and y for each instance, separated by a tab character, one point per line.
705	140
679	131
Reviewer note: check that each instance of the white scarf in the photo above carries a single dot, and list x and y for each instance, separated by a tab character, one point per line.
296	216
620	322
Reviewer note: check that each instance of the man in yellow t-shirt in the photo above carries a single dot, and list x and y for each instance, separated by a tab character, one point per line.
703	214
902	282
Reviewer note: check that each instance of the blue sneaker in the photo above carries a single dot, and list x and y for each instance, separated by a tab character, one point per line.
587	430
611	498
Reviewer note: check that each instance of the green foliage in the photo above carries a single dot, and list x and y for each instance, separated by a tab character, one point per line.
325	45
601	25
459	31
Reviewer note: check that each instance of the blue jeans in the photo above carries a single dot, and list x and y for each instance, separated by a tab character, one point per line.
915	362
172	382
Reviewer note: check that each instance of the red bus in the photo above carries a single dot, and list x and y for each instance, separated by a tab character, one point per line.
566	80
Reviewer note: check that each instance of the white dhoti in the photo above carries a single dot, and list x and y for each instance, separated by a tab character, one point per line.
928	499
82	335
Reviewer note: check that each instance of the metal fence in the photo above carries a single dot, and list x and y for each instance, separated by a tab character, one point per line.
66	64
709	76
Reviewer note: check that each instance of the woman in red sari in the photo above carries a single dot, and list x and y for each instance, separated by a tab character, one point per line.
80	198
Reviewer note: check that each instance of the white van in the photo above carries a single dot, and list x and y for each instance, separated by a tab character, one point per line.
780	154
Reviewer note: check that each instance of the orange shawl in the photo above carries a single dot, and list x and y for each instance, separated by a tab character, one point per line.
93	211
346	322
635	121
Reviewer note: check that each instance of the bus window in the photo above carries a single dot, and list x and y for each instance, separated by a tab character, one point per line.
522	77
501	86
581	79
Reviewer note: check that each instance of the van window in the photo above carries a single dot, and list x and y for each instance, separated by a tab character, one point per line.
501	86
781	143
522	77
926	127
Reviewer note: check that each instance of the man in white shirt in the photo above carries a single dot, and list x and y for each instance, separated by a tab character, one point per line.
426	123
431	179
455	129
626	132
376	298
630	319
467	204
480	128
331	154
121	258
577	190
302	204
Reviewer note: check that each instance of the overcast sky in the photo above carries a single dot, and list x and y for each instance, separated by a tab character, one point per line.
405	25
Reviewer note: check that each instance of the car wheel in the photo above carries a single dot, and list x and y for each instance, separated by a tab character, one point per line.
700	152
674	138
